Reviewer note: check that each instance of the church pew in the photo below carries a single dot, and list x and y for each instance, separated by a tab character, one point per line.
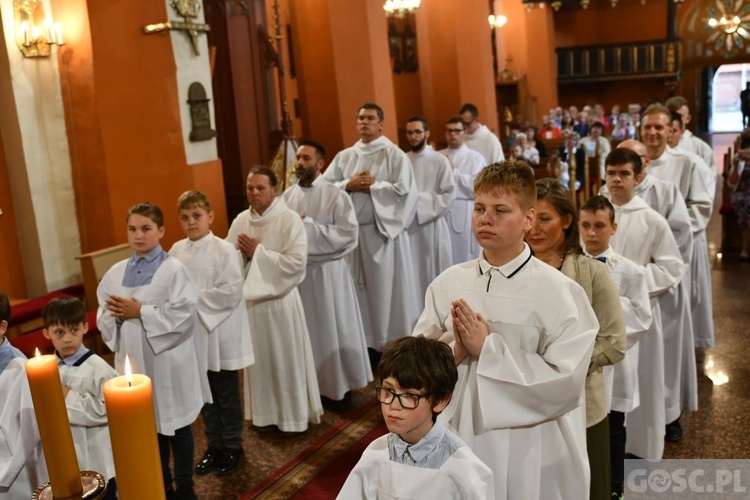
27	315
95	264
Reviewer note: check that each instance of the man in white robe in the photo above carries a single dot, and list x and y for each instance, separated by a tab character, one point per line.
466	164
281	388
523	335
689	141
379	178
672	165
680	373
674	141
644	237
429	236
328	295
479	137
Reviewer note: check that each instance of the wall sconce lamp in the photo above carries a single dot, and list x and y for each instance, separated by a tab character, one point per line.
36	33
497	22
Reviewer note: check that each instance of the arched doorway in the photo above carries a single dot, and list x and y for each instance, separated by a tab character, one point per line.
728	81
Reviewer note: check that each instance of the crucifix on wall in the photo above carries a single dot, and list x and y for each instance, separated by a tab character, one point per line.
188	10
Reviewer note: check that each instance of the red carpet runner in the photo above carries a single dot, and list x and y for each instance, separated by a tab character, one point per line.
319	471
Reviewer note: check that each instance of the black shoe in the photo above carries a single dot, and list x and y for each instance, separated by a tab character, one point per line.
337	404
209	461
673	431
230	461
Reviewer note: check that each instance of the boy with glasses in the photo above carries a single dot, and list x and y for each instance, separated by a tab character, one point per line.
420	457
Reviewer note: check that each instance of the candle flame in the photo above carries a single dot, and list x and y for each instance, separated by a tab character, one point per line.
37	355
128	371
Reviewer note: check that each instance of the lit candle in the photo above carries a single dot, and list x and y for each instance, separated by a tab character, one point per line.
53	424
132	430
25	30
58	33
48	28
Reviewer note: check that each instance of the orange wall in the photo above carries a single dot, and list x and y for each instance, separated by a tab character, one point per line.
124	125
313	49
408	93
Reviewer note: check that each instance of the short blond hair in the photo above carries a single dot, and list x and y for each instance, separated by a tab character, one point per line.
509	176
193	199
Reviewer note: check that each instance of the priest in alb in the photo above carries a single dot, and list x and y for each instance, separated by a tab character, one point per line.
428	234
480	138
379	178
671	165
281	388
328	295
466	164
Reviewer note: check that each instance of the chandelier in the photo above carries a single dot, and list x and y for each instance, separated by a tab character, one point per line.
728	27
497	21
400	8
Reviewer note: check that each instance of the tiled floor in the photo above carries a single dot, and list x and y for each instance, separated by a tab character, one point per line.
719	429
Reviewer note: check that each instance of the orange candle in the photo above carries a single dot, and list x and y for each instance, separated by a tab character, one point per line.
54	426
132	431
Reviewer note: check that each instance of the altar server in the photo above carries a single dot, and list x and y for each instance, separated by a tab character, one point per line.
222	330
522	335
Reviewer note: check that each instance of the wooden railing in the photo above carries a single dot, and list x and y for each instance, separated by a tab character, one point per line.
623	61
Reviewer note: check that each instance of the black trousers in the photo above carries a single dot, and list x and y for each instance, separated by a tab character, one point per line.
617	438
223	418
181	448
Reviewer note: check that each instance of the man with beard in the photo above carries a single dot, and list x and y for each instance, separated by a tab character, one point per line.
428	234
331	308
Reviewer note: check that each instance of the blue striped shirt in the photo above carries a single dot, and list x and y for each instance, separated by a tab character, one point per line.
430	452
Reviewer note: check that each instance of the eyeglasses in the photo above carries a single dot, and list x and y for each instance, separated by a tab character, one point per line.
453	130
407	400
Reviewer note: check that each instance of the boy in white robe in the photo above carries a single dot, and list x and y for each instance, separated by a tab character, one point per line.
281	388
522	335
328	295
22	466
147	311
680	371
82	374
644	237
596	226
419	457
222	334
466	164
429	235
379	179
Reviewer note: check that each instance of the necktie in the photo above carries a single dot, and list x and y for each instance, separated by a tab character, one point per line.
601	259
